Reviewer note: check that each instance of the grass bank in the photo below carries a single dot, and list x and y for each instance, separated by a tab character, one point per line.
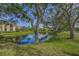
53	47
15	34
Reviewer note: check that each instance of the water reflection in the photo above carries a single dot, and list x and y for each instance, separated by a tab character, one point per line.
26	39
30	38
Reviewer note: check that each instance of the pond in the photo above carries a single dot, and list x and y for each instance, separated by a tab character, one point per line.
30	38
26	39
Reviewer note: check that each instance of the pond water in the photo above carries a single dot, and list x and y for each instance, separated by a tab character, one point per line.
30	38
26	39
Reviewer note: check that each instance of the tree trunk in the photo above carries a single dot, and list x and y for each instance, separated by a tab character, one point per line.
35	29
36	36
37	23
71	32
36	32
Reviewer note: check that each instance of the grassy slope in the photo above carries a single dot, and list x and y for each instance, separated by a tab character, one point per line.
54	47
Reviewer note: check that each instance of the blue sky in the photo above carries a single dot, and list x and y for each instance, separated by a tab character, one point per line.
19	21
22	22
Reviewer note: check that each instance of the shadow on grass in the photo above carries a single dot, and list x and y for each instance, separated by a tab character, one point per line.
28	51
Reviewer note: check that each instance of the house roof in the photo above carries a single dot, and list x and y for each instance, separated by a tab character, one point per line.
9	23
3	21
6	22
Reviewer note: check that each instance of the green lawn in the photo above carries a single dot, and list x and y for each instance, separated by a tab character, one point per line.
15	34
54	47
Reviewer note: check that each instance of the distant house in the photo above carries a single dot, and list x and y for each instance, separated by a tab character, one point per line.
77	25
7	26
